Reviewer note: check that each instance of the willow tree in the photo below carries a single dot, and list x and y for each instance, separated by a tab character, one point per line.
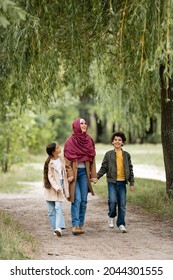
126	42
140	64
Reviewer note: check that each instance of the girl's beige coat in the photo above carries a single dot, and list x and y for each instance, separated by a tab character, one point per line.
56	193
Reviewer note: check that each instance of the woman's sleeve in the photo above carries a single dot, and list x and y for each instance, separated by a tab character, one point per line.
69	169
93	169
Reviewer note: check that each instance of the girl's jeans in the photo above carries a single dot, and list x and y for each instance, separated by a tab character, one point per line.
78	207
117	197
55	214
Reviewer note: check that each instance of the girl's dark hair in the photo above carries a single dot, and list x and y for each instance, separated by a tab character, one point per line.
47	184
49	149
119	134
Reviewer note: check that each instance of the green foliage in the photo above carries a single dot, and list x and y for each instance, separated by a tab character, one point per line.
32	130
10	12
61	116
13	137
128	72
115	47
52	125
19	132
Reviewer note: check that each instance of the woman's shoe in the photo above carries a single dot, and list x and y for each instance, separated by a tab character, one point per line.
81	229
76	230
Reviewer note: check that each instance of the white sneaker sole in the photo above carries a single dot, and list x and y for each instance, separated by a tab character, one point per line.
58	233
123	231
111	226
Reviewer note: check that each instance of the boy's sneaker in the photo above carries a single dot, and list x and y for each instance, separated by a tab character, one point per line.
111	222
122	229
58	231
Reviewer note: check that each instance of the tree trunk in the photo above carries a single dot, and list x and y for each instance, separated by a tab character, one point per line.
101	135
167	131
5	161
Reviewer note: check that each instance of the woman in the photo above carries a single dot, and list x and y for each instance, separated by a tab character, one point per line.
79	154
56	187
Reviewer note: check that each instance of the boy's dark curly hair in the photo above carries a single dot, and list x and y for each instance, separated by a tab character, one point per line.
119	134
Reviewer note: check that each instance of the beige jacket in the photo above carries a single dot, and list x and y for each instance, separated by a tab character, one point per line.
72	167
56	193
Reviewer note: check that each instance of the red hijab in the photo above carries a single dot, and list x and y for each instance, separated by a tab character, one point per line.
79	146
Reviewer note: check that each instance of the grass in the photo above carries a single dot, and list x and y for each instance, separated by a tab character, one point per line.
12	182
151	196
15	242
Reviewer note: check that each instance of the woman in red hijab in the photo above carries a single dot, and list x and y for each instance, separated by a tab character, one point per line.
79	153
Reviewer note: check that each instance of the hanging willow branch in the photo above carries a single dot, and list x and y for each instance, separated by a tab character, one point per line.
122	28
142	45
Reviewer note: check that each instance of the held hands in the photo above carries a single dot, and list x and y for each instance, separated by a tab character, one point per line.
70	179
59	190
94	180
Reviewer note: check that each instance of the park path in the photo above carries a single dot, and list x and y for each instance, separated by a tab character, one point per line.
147	238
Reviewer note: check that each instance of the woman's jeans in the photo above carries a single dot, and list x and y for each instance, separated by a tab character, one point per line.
78	207
55	214
117	197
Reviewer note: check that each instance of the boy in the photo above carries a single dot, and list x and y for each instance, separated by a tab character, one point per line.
118	168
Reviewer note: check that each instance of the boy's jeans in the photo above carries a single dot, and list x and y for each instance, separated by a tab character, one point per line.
78	207
117	196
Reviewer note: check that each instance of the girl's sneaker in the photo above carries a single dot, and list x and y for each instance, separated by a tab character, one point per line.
58	231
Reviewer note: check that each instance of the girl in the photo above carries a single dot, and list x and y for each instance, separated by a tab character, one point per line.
56	187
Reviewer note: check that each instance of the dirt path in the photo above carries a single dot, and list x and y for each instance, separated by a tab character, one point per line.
147	237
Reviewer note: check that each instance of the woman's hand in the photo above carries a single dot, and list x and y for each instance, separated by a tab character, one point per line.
70	179
94	180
